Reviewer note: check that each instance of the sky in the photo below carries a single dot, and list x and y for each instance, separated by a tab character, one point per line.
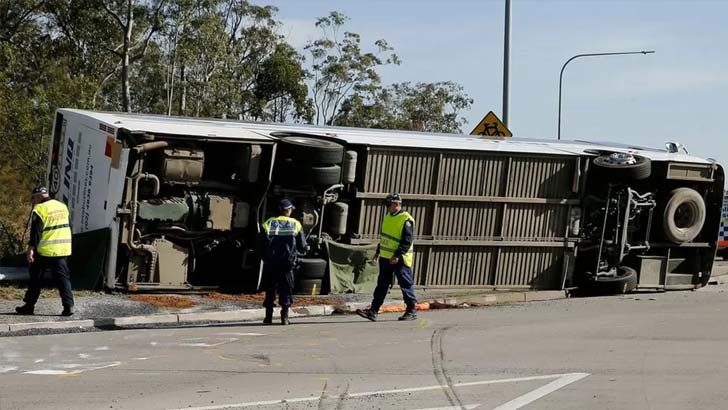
678	94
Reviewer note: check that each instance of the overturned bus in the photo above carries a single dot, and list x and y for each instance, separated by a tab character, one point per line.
176	203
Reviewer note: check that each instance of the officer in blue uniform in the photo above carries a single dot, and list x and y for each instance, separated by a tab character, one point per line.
395	257
281	241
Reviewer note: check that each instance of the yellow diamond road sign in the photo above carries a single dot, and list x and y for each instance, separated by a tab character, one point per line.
491	126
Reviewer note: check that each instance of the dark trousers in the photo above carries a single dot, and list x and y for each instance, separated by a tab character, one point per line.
278	277
404	278
58	266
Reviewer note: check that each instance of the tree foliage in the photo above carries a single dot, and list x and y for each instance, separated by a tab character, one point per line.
207	58
431	107
340	67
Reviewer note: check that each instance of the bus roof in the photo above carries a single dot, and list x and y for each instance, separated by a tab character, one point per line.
267	132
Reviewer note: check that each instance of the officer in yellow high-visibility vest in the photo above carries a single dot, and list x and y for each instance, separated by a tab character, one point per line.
395	257
48	250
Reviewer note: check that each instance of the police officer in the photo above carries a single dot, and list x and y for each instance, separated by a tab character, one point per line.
282	239
48	249
395	256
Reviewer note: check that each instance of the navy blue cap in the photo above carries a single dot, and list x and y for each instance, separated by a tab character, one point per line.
393	198
286	204
40	190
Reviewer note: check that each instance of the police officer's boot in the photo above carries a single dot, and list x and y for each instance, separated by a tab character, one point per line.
26	309
67	310
284	316
409	314
268	316
367	314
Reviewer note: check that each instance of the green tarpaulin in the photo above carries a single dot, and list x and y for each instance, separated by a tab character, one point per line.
350	268
88	261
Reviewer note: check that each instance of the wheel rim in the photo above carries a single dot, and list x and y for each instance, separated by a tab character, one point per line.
621	158
685	215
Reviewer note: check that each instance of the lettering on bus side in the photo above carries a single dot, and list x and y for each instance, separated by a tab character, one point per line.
69	164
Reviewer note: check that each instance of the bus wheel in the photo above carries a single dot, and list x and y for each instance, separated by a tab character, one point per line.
624	281
684	215
312	268
619	166
325	175
309	287
311	150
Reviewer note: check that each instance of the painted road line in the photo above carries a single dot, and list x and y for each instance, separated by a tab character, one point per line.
79	368
563	380
192	342
534	395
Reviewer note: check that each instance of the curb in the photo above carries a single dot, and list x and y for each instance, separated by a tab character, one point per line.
465	301
241	315
302	311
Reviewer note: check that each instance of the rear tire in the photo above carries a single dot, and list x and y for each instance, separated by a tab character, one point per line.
308	287
624	282
325	176
684	215
305	174
312	268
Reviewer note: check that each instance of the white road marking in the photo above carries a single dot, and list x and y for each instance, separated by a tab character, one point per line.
239	334
563	380
5	369
83	355
463	407
534	395
102	348
47	372
200	344
83	368
195	344
39	361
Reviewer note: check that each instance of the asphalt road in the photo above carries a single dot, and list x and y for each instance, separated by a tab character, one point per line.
643	351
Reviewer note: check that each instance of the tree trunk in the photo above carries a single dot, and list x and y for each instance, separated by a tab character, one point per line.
126	90
183	94
170	82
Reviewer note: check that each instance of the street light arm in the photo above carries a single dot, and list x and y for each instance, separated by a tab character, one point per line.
599	54
561	74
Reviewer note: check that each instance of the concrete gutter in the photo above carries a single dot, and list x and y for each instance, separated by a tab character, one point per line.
246	315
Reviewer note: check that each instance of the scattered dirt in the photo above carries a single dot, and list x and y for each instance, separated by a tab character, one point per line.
257	299
438	305
180	302
13	293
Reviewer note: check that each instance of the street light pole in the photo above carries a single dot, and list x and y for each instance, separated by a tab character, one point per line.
561	75
506	61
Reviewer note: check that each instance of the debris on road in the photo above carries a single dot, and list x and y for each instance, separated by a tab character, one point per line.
401	307
257	299
180	302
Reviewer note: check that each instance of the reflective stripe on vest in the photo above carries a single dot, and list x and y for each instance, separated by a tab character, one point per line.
281	226
55	240
392	234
